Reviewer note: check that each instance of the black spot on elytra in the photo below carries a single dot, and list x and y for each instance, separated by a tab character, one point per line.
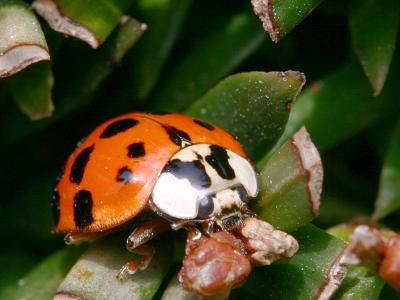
79	165
193	171
125	175
204	124
55	207
118	127
176	135
218	159
83	205
136	150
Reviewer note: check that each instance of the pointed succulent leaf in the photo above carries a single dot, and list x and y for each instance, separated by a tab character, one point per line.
81	81
42	281
88	20
252	106
144	64
32	91
94	275
374	41
360	282
213	57
22	41
340	105
388	199
291	184
313	273
279	17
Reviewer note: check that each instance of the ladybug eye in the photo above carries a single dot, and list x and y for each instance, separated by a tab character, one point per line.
206	207
242	193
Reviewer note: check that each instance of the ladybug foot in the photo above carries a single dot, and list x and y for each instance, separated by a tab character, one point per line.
131	267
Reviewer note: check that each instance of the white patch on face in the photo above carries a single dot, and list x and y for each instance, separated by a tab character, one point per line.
191	178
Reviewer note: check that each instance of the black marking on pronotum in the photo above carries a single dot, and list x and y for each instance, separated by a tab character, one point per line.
79	165
125	175
118	127
136	150
55	207
83	205
193	171
218	159
206	207
176	135
204	124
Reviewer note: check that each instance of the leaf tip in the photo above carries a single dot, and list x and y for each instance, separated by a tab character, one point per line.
52	13
312	164
263	9
333	278
21	56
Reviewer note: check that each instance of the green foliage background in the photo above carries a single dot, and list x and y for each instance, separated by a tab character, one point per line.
189	47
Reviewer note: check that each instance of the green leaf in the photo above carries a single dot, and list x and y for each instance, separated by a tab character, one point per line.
360	284
32	91
388	199
306	276
340	105
252	106
291	184
41	283
94	274
374	41
13	264
165	20
281	16
213	57
22	41
80	81
88	20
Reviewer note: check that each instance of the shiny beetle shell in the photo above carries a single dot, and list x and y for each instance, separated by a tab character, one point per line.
110	176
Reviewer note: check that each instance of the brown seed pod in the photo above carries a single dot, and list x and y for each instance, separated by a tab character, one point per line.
390	267
214	265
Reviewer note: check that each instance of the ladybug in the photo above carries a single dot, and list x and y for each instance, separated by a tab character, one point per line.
190	173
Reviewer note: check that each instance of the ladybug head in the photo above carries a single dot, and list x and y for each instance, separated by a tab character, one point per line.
203	181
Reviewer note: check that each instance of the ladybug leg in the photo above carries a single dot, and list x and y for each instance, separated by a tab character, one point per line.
136	243
78	238
145	232
131	267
